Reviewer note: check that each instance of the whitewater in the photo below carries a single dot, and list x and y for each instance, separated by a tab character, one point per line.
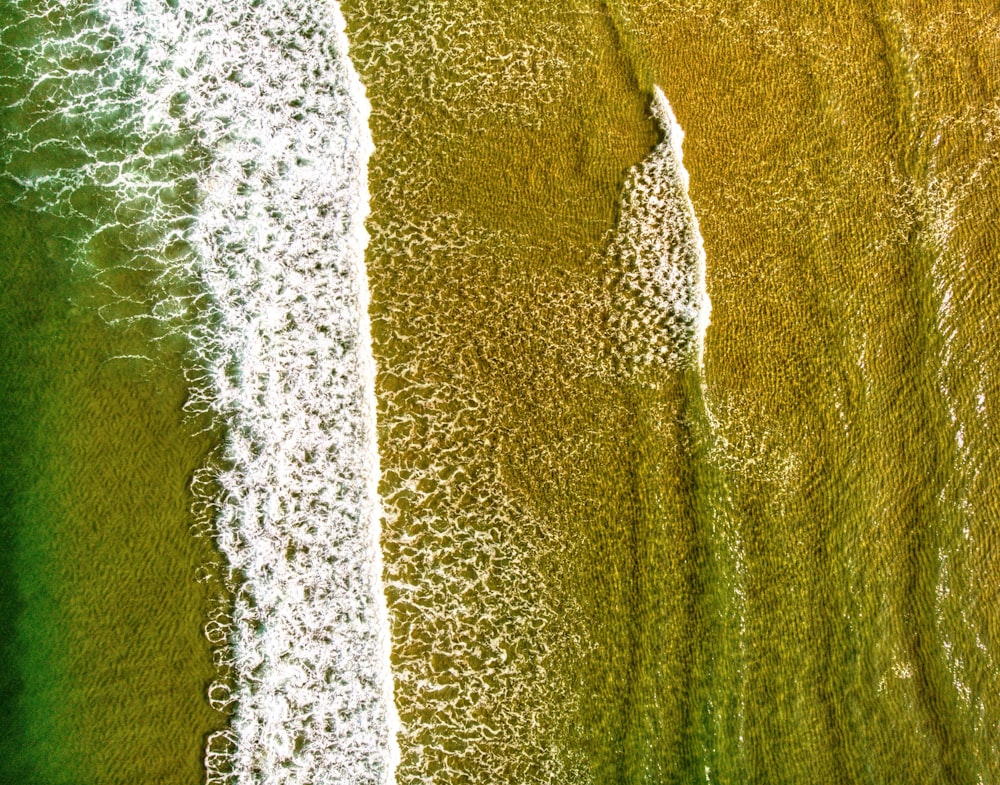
660	255
264	95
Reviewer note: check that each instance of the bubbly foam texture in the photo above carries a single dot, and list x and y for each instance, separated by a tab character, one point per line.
660	257
76	144
260	103
481	631
462	70
521	69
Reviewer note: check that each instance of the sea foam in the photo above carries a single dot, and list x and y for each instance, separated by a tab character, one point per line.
265	94
659	256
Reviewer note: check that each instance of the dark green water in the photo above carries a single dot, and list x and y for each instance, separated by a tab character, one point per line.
104	665
27	320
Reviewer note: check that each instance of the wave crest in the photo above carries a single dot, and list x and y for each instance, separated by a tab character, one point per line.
659	257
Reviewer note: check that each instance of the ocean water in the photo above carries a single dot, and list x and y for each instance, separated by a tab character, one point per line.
607	561
200	177
105	665
593	392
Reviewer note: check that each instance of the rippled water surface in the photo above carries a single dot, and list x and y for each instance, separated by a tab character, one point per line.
603	567
682	320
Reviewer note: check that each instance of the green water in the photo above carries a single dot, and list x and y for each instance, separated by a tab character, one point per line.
104	664
777	570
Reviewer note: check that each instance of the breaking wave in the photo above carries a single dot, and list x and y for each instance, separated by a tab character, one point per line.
280	243
659	254
218	152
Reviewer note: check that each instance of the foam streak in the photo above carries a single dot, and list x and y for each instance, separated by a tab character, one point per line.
279	239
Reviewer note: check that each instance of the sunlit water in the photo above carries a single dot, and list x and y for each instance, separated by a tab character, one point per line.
222	154
652	455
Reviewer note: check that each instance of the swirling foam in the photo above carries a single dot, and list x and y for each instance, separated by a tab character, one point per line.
660	254
258	99
281	241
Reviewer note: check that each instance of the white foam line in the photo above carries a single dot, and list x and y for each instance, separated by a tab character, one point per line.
659	243
674	136
271	95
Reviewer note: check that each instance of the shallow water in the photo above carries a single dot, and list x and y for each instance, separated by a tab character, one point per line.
776	569
687	453
105	665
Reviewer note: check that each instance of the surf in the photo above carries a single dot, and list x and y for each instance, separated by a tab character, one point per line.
279	245
239	190
659	256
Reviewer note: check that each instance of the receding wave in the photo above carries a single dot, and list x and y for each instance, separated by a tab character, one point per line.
659	254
